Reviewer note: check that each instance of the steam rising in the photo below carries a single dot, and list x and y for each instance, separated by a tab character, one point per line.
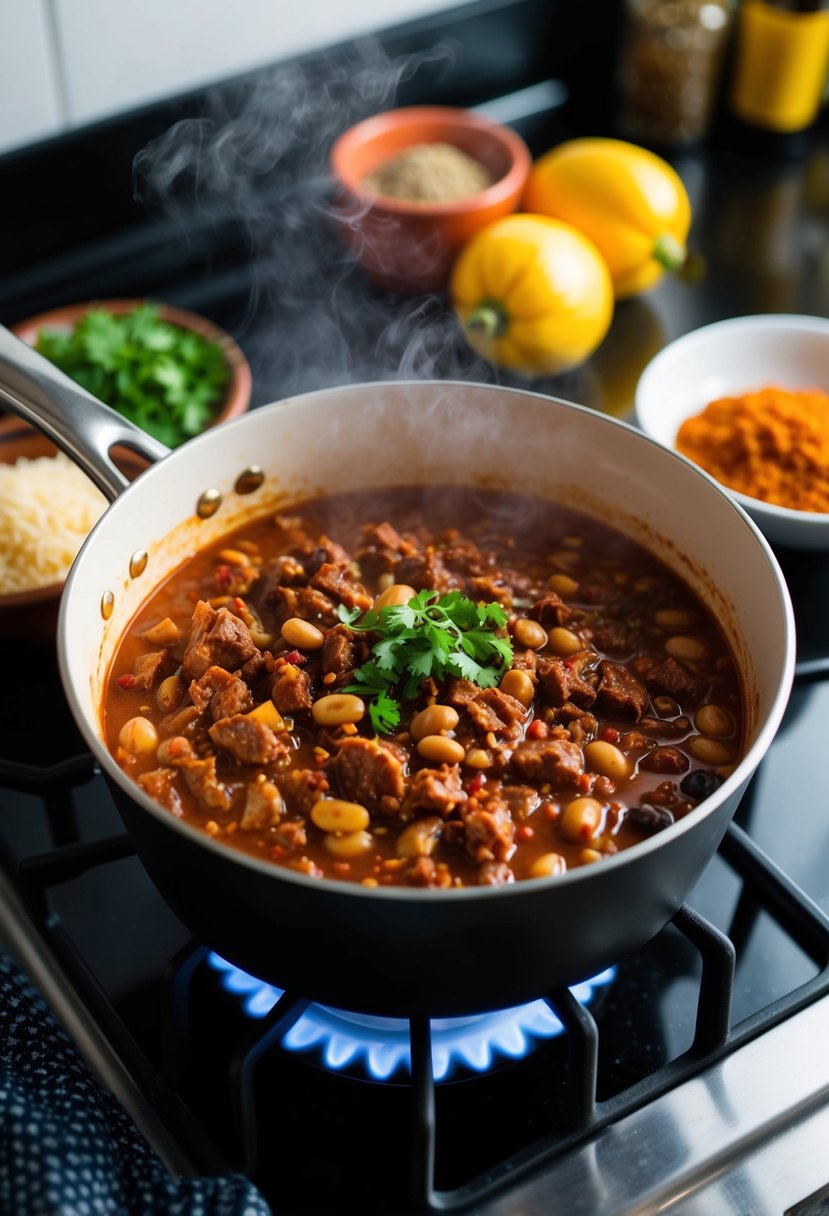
256	163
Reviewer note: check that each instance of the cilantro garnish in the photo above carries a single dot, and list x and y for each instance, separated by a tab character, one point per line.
434	636
165	379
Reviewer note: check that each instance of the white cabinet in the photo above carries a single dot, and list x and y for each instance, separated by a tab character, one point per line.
29	75
68	62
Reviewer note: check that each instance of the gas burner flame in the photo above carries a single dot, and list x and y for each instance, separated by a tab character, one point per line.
380	1046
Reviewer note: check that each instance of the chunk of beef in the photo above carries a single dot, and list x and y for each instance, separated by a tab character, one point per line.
325	550
386	536
581	724
307	602
217	638
619	693
302	788
382	546
148	668
522	800
665	760
464	557
264	806
557	761
495	874
525	660
247	740
314	606
159	784
235	698
175	751
223	693
550	610
200	775
203	783
671	679
497	712
424	872
436	790
491	588
292	835
424	570
613	638
490	830
184	721
459	692
292	691
368	771
343	651
337	581
562	680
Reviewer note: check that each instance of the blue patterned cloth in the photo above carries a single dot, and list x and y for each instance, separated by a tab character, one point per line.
67	1147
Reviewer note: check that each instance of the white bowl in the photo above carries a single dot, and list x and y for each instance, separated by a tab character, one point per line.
729	358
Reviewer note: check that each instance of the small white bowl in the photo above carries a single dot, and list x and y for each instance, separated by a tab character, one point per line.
732	357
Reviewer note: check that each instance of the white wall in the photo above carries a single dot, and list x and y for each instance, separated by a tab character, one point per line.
67	62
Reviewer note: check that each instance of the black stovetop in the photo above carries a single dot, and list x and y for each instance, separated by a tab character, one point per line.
337	1142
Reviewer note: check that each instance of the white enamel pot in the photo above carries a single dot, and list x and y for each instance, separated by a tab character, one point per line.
397	951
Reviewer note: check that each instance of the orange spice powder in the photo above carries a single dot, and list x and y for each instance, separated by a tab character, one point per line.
771	444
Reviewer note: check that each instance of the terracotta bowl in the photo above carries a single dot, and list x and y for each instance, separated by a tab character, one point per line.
33	614
409	246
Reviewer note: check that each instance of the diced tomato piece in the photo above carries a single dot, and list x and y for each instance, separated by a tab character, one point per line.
126	681
223	577
538	729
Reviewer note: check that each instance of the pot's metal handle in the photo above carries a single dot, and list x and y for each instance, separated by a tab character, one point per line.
81	425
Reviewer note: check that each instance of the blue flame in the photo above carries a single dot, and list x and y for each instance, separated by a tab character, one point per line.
381	1045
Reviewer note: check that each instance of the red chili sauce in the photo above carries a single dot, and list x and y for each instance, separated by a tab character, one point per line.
235	697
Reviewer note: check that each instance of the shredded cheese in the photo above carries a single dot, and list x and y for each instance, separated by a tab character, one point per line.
47	508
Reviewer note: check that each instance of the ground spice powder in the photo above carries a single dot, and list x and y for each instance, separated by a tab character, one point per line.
429	173
771	444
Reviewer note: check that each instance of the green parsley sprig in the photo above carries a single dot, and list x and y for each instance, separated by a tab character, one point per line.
433	635
166	379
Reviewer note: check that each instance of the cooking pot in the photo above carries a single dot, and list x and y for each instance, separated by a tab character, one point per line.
397	951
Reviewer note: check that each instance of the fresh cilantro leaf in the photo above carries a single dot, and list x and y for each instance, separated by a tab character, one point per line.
433	636
384	712
167	380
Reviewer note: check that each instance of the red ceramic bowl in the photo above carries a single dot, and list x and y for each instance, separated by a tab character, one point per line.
409	246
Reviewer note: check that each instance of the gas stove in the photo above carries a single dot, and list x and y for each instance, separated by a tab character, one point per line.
692	1077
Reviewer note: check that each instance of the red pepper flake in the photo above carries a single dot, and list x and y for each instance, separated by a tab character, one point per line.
296	657
475	784
223	577
538	729
524	832
610	734
126	681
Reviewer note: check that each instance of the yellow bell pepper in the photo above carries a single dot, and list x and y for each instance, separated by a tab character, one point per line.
630	202
533	294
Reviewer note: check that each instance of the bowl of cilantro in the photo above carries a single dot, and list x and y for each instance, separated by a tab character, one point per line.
170	371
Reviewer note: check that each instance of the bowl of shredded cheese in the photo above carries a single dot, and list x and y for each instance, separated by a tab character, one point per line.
47	509
747	399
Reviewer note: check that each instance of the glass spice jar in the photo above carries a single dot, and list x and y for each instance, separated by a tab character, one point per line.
670	66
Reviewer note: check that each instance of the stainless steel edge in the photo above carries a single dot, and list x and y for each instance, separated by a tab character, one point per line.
747	1137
